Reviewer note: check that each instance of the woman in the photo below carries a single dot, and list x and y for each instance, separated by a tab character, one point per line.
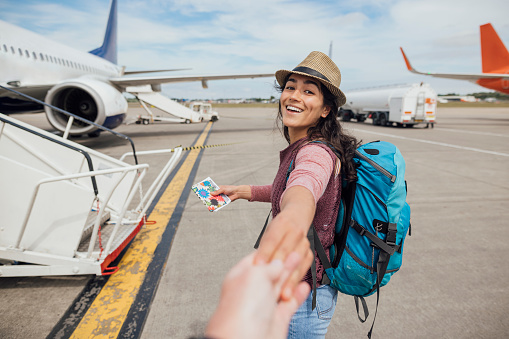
308	106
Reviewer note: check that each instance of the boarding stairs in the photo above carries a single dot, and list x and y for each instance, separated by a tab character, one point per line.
180	113
67	209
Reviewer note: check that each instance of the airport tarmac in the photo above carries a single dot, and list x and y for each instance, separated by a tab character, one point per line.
453	282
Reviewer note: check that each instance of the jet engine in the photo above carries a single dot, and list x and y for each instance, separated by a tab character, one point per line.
91	99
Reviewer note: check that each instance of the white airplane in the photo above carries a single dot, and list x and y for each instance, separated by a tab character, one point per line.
89	85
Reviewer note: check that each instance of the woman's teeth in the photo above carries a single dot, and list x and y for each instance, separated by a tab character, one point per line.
294	109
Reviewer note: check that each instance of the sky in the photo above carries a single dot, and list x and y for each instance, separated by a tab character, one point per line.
263	36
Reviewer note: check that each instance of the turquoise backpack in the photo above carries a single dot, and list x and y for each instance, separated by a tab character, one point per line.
372	224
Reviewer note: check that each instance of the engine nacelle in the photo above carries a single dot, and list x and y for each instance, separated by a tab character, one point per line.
91	99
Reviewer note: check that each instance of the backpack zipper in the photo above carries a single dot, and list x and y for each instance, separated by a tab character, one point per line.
377	166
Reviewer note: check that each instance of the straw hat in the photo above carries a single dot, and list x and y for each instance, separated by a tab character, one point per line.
319	66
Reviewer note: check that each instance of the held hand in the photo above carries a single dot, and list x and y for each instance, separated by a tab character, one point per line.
288	233
234	192
249	306
281	239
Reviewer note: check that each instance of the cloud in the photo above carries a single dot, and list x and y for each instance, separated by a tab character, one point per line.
230	36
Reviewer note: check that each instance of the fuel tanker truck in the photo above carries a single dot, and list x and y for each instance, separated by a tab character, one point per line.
404	105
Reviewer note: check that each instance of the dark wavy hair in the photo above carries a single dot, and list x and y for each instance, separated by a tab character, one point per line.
329	130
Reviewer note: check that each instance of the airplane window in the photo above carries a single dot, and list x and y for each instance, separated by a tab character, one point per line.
35	55
12	50
20	51
42	56
5	47
27	53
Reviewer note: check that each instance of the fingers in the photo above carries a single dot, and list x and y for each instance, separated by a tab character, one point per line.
291	263
302	292
218	191
278	245
286	309
280	239
298	274
276	270
233	192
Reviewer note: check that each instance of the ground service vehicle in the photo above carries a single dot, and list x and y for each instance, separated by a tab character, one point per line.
205	111
405	105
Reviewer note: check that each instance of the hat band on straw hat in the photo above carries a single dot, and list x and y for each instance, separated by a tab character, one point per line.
310	71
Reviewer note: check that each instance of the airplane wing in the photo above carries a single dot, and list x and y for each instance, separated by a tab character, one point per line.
138	81
156	71
471	77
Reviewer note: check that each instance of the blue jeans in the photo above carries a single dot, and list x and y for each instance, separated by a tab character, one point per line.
313	324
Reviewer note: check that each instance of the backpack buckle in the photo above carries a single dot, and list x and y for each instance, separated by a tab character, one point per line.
392	231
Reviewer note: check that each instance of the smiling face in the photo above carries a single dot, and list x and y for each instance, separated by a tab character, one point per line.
301	105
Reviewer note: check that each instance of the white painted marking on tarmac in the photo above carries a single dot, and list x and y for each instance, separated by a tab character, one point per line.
437	143
473	132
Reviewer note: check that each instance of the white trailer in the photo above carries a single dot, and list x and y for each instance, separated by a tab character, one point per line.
405	105
205	110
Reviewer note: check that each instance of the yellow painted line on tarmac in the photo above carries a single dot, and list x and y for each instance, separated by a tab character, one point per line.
106	315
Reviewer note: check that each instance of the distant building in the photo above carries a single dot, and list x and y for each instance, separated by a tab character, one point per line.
462	98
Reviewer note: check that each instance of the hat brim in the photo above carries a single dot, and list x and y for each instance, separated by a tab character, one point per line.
282	74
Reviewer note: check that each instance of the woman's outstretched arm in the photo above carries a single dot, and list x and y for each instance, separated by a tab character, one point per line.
286	231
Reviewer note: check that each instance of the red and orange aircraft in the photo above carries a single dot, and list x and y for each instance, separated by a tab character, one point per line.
495	63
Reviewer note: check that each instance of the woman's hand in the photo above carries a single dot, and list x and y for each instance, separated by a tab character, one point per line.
234	192
287	233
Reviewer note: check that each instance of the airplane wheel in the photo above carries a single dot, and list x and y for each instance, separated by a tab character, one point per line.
187	121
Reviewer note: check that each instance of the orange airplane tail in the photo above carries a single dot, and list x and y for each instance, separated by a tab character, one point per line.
495	57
